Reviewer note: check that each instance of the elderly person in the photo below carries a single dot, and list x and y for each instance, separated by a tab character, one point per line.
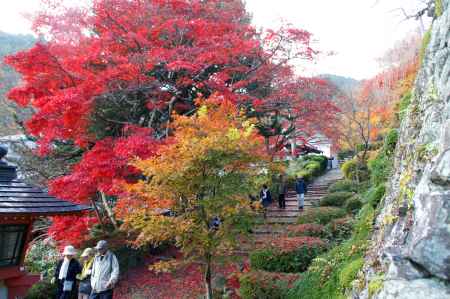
65	274
85	289
105	272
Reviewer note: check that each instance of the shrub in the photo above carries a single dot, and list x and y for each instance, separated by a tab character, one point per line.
336	199
323	161
265	285
381	167
287	254
321	215
344	185
353	204
306	230
339	230
355	170
349	273
314	167
42	258
42	290
375	194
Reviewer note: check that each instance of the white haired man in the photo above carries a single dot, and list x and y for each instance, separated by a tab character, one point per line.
105	272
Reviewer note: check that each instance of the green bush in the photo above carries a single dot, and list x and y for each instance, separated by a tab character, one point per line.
381	167
41	258
323	161
344	185
334	263
349	273
265	285
339	230
375	194
42	290
288	255
321	215
355	170
336	199
390	142
314	167
353	204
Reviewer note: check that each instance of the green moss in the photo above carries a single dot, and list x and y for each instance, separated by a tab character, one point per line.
381	167
403	105
375	194
375	285
425	42
349	272
426	152
439	8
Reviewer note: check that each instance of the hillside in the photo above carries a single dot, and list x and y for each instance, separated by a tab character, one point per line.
345	84
9	44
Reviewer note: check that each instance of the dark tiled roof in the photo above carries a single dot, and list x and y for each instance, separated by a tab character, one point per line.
19	198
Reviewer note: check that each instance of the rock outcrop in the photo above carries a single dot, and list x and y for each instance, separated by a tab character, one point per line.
409	256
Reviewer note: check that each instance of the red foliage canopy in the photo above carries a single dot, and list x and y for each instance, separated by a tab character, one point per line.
108	72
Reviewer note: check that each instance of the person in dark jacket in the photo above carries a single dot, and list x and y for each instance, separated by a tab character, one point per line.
265	196
282	191
65	274
301	189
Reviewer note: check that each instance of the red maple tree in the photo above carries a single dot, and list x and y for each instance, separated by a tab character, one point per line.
108	77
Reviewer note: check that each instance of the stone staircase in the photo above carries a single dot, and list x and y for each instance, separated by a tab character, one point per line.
277	219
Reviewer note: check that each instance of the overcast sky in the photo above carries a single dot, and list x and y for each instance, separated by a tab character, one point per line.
358	31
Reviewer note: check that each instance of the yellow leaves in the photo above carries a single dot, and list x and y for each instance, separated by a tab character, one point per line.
165	266
202	111
233	134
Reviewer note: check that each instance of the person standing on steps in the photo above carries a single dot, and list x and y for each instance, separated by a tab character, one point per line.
282	191
301	189
265	197
105	272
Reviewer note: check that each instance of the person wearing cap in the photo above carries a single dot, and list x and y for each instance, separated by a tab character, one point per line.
85	289
105	272
65	274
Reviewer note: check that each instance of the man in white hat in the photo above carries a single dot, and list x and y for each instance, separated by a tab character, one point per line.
65	274
105	272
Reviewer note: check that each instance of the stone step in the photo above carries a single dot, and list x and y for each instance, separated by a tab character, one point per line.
281	220
283	214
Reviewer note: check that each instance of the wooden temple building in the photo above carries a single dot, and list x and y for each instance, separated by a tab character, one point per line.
20	205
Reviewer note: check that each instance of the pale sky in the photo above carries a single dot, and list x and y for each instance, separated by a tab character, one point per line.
358	31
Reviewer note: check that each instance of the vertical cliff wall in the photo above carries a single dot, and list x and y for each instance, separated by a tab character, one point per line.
409	256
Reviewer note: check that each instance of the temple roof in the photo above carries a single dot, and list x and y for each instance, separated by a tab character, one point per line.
18	198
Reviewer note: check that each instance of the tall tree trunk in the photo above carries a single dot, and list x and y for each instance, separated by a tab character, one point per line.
208	276
97	213
108	210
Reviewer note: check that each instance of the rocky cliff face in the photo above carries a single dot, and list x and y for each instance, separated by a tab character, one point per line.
410	252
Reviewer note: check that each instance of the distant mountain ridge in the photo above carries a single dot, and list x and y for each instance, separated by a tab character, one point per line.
345	84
